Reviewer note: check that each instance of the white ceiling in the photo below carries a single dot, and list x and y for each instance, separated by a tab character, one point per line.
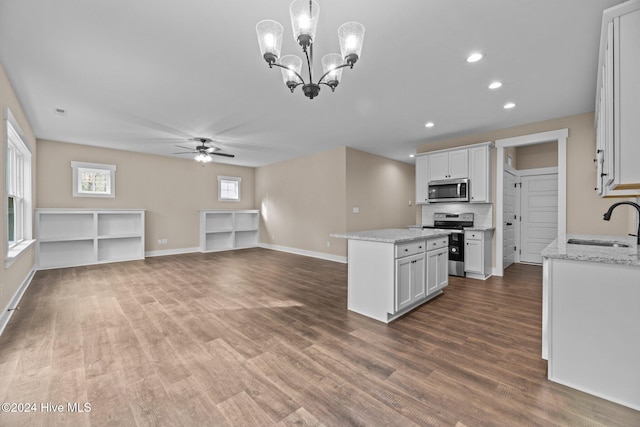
144	75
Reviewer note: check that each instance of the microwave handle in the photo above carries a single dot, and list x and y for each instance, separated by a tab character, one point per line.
459	185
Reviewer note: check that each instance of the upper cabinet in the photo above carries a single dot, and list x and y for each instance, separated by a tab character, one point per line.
473	162
448	165
618	102
480	174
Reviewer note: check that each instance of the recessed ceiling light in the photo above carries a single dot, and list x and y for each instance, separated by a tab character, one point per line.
474	57
412	155
509	105
429	125
495	85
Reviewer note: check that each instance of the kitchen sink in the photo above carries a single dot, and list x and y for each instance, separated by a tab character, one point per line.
608	243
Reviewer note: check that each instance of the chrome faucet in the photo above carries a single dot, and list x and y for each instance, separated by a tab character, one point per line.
607	215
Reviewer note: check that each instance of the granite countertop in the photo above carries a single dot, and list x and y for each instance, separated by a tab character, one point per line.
560	249
393	235
474	228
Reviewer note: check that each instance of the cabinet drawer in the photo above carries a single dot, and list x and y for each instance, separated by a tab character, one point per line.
473	235
410	248
440	242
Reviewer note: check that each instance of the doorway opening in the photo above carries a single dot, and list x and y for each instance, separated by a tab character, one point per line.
505	234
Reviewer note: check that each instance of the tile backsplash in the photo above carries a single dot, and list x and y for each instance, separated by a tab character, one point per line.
482	212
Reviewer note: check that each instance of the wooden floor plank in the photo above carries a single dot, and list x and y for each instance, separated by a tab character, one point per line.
259	337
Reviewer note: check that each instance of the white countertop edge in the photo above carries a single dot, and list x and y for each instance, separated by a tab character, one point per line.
392	235
560	249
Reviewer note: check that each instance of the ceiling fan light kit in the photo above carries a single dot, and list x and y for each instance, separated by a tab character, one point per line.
203	151
304	20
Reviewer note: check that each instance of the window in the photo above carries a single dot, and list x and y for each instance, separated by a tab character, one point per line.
93	180
229	188
18	188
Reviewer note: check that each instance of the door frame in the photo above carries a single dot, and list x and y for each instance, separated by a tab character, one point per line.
560	136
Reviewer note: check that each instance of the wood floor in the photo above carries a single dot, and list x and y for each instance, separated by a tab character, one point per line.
258	337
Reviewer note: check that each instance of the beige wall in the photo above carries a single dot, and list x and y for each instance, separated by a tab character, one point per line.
171	190
305	200
537	156
584	207
302	201
13	276
382	189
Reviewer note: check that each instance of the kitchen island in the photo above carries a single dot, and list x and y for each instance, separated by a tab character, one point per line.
393	271
591	316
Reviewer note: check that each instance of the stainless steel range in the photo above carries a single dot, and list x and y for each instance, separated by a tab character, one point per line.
454	223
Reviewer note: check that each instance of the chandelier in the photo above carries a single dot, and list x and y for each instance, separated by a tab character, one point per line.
304	19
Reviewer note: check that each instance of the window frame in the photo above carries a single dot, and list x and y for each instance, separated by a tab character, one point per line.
109	170
18	187
238	183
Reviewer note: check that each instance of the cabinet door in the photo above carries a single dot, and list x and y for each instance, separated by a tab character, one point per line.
403	282
442	275
459	164
418	289
421	179
473	256
432	272
479	174
438	166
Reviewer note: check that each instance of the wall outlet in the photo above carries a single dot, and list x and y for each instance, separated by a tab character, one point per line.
162	241
273	237
328	244
356	209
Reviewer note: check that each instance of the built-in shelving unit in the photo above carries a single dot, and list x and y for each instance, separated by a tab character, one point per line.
222	230
73	237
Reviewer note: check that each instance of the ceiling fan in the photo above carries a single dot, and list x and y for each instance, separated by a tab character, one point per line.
204	151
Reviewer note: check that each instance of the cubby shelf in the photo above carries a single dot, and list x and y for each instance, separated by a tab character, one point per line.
222	230
73	237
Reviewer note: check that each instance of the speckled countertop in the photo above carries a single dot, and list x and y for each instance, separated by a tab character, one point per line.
560	249
393	235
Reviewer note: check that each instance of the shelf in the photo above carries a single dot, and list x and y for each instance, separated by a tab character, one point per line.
225	230
66	253
120	249
66	226
68	237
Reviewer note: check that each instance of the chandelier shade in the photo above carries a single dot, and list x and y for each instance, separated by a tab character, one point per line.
291	69
270	39
304	21
351	36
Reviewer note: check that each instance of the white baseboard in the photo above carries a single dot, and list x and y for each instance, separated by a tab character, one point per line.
13	303
166	252
321	255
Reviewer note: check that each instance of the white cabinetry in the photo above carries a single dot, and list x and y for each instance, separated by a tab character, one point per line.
387	280
480	174
437	269
410	274
422	180
448	165
229	229
73	237
477	254
618	102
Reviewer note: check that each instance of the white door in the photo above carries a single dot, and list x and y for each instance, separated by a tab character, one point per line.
509	218
539	212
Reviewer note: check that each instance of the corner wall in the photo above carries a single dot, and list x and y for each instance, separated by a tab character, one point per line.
13	277
171	190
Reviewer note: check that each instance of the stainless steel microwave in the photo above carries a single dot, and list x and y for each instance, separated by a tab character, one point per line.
448	190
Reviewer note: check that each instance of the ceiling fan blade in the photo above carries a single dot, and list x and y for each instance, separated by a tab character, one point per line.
223	154
186	148
187	152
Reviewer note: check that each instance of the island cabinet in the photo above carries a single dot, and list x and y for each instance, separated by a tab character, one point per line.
618	102
388	277
74	237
